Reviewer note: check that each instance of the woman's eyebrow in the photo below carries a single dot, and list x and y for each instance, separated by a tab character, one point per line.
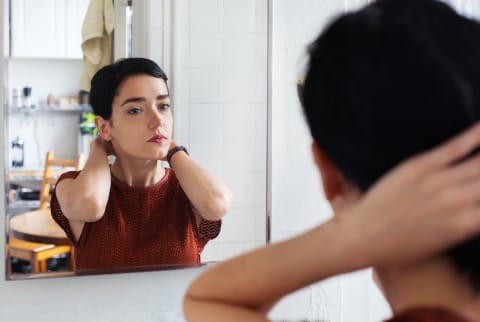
142	99
162	97
133	99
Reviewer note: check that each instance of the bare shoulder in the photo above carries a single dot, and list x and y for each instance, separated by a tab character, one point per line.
62	188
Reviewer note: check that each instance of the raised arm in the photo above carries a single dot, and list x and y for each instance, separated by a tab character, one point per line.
84	198
436	204
209	195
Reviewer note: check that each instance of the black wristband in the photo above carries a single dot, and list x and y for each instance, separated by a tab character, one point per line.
174	150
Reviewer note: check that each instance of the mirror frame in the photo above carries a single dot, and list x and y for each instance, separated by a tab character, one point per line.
4	46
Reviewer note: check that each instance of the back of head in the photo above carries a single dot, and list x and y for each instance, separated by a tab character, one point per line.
389	81
105	82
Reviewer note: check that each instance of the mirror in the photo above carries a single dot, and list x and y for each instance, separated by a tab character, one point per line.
215	55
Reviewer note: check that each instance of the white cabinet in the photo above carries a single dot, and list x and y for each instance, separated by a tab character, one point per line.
76	10
47	28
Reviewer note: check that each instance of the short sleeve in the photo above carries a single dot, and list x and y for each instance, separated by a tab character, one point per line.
206	231
209	229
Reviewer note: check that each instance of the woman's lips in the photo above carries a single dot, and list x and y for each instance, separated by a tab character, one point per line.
157	139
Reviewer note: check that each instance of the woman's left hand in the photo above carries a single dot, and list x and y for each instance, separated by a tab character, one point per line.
172	145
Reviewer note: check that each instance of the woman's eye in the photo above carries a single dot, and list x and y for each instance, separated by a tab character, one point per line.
134	110
163	106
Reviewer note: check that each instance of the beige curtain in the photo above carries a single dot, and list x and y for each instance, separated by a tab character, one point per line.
97	38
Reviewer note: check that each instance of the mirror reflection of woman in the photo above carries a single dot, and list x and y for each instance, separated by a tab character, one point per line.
135	212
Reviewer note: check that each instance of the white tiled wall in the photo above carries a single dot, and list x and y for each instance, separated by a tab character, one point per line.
297	198
352	297
219	82
469	8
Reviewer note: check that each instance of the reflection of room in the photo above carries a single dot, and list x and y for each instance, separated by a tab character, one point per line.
44	107
43	69
218	75
40	126
220	109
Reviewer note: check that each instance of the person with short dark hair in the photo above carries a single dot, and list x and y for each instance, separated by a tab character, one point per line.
135	212
385	87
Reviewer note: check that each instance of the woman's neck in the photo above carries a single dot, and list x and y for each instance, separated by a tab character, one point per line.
138	173
430	283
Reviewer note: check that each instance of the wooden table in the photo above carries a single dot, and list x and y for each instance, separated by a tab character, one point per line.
38	226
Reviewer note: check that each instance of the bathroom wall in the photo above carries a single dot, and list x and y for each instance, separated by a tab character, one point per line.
351	297
222	76
468	8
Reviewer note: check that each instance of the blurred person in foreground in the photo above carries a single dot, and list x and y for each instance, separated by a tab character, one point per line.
385	88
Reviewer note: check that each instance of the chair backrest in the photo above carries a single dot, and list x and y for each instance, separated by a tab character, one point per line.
53	169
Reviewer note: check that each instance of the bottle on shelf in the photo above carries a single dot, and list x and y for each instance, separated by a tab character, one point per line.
18	152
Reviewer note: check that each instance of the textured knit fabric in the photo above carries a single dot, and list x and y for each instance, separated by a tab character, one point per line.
141	226
427	315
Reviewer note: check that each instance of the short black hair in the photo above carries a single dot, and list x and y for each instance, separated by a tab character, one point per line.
105	82
391	80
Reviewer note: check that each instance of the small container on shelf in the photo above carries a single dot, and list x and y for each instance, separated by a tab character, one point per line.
27	95
50	100
16	98
83	97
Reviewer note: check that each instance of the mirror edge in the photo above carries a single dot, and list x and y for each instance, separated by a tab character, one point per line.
4	38
3	163
268	180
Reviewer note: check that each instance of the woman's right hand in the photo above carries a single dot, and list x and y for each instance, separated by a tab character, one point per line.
105	146
423	206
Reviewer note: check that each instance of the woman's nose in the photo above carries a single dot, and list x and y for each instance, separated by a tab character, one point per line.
155	118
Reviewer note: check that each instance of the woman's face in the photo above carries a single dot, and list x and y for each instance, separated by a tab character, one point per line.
141	121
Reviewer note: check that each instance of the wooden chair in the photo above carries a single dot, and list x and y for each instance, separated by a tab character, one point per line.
50	176
37	253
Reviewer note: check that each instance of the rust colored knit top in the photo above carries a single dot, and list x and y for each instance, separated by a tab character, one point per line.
141	226
425	314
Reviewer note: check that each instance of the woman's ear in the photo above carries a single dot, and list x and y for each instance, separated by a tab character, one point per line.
331	177
103	127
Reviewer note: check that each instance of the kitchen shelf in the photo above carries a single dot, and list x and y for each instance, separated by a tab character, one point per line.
50	108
